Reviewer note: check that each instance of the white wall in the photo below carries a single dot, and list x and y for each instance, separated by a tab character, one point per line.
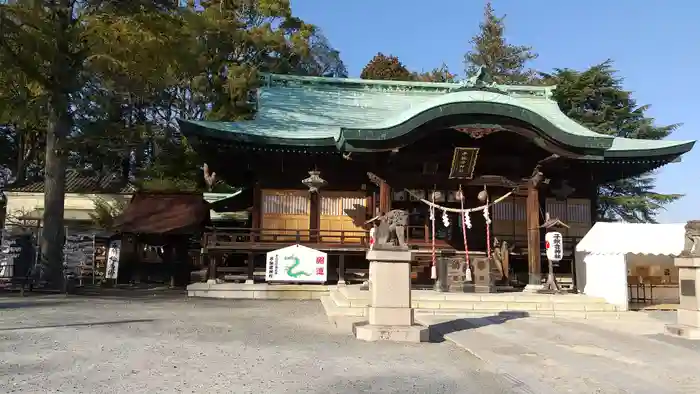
604	276
20	203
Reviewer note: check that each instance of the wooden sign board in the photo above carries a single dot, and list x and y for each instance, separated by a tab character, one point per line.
463	163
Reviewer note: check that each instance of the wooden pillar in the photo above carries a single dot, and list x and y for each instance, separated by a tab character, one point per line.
341	269
256	213
593	195
211	264
251	268
532	216
314	217
384	197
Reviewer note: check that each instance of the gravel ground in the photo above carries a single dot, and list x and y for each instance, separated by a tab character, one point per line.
168	344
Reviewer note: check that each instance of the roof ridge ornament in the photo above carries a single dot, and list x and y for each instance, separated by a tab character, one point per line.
481	80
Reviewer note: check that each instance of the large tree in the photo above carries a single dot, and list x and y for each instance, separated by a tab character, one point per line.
48	45
98	85
596	99
390	68
506	62
386	67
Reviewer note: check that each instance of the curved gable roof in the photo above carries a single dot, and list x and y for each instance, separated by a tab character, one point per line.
349	114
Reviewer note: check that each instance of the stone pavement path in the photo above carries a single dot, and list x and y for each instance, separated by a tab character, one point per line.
57	344
587	356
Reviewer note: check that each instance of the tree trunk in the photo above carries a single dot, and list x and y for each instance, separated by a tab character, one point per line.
53	233
20	174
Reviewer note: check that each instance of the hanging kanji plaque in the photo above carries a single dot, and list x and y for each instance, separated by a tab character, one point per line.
463	163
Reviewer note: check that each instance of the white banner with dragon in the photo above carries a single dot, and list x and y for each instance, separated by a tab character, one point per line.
296	263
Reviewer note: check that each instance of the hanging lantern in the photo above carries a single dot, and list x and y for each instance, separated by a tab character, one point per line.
314	182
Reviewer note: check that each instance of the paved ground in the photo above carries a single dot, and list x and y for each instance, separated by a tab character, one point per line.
168	344
629	355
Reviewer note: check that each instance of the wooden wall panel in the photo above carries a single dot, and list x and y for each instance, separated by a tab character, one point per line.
576	212
285	211
343	211
508	218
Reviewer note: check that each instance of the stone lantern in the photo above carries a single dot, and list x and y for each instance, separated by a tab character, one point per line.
314	182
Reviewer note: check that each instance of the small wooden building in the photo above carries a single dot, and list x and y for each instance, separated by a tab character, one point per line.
159	231
380	145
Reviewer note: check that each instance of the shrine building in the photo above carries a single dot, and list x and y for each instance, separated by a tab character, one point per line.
373	146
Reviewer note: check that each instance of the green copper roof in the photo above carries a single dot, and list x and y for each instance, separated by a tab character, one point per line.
352	113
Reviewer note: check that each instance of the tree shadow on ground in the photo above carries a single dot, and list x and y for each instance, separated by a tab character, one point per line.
438	331
132	292
477	381
31	303
85	324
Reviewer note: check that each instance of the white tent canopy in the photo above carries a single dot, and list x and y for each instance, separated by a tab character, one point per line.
604	255
635	238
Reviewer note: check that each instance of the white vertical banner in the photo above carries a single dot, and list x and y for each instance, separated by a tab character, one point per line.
115	248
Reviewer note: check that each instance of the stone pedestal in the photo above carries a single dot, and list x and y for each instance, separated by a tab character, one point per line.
483	276
390	312
688	320
450	274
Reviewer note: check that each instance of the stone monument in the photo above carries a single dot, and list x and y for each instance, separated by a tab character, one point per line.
688	263
390	312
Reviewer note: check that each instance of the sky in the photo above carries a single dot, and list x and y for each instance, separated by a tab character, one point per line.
654	45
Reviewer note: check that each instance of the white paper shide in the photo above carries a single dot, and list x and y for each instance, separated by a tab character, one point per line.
296	263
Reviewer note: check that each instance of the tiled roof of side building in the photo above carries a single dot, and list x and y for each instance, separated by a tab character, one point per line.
81	183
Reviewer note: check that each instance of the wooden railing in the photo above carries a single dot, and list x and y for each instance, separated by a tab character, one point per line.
222	237
227	236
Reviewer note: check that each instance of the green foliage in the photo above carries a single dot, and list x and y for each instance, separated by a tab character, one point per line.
135	69
596	99
176	167
507	63
106	212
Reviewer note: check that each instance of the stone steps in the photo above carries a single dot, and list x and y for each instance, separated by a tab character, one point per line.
333	308
350	301
497	305
361	298
257	291
485	313
342	318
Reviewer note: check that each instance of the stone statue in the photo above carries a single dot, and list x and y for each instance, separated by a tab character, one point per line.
692	239
390	231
